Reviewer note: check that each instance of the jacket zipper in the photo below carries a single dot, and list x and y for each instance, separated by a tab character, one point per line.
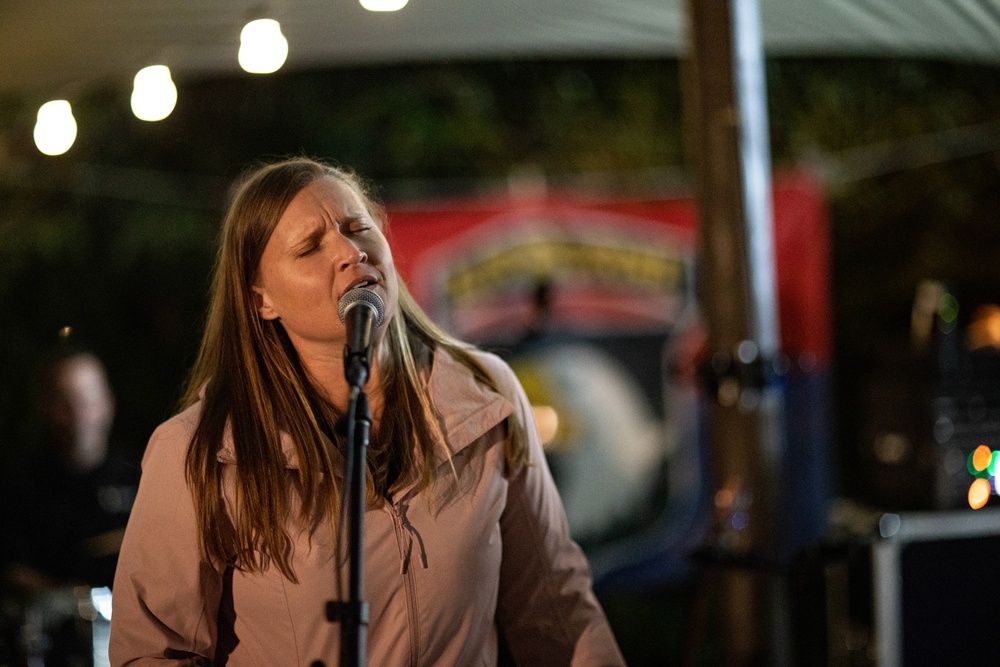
404	542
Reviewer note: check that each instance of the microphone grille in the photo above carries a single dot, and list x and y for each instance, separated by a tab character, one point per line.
361	295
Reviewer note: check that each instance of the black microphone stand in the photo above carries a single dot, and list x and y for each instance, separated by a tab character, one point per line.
353	612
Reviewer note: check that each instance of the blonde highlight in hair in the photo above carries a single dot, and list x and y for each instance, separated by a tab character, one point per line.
254	390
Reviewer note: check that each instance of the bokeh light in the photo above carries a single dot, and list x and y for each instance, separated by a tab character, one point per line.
984	329
154	94
948	313
383	5
55	128
547	421
982	457
979	493
263	49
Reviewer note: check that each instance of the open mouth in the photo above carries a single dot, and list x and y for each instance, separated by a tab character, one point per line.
364	283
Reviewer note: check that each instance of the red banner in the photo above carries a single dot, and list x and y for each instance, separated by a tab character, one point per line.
608	265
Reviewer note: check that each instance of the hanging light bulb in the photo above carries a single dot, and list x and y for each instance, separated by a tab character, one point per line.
263	48
55	129
154	94
383	5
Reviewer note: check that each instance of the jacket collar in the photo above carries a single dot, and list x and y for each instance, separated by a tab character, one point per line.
468	410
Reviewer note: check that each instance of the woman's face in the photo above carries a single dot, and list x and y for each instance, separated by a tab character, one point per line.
324	244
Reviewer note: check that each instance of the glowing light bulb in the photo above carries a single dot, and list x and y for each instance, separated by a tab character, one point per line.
263	48
383	5
154	94
979	493
55	128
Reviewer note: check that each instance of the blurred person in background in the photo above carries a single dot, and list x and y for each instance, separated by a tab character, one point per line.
67	507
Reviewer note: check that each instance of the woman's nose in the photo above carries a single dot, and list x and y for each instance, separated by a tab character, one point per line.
349	254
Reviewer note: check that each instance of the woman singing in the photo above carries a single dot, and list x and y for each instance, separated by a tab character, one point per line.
233	548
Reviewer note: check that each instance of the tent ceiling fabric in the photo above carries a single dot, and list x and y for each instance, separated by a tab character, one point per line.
52	45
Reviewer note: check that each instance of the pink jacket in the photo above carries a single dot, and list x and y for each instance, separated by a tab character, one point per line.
441	576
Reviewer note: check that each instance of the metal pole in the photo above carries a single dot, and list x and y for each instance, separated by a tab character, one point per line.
727	115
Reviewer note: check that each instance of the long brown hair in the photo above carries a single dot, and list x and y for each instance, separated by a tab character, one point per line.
249	379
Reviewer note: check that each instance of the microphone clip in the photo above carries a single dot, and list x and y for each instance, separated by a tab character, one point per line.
357	366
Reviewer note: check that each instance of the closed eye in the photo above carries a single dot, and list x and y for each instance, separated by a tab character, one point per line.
355	224
310	243
308	246
308	250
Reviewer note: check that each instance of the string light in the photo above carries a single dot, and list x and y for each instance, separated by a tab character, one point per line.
154	93
55	129
263	48
383	5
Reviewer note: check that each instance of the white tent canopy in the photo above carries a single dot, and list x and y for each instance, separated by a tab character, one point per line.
48	46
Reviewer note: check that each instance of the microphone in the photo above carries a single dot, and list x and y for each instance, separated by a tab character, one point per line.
361	310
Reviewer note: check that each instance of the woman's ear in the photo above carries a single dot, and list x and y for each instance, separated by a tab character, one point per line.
262	302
